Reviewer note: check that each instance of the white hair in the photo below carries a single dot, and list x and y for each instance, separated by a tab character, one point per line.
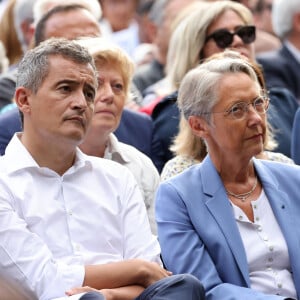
282	16
23	12
43	6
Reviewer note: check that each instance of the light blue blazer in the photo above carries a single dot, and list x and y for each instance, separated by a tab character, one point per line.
199	235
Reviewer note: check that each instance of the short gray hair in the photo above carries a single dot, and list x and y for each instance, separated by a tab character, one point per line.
34	67
282	16
198	92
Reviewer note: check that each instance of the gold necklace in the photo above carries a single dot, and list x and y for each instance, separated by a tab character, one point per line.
243	196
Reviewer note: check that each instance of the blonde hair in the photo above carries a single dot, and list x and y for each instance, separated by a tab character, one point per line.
8	34
188	38
187	144
107	53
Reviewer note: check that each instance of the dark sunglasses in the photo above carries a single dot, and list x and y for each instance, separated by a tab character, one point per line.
224	38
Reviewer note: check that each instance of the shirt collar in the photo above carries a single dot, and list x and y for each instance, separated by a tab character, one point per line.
113	150
18	157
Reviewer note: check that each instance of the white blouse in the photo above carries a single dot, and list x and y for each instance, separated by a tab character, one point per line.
266	250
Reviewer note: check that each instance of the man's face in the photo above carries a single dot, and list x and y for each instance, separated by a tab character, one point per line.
62	108
119	13
72	24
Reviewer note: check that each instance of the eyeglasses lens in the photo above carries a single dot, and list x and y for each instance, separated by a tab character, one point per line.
239	110
224	38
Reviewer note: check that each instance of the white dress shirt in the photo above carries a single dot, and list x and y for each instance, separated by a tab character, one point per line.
266	250
142	168
51	226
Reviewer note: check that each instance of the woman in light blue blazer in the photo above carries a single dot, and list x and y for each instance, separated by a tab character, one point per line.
232	220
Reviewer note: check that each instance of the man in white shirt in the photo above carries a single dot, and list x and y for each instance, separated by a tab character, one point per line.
71	223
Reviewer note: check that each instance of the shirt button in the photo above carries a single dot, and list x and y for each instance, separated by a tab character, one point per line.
70	212
240	217
254	206
257	218
77	247
269	269
259	228
271	248
266	238
270	259
279	285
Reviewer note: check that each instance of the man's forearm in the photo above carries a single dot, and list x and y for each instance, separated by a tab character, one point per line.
124	273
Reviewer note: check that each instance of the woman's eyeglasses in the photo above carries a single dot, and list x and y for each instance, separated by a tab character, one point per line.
239	110
224	38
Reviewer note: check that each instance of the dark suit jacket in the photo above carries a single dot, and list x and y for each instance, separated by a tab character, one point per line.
281	114
135	129
295	145
7	86
165	118
281	69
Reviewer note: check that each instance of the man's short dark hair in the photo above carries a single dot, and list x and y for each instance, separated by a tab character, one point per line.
39	34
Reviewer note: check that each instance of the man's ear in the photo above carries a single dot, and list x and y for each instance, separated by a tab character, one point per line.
22	99
199	126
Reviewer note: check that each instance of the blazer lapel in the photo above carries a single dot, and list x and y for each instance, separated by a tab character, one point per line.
219	206
285	209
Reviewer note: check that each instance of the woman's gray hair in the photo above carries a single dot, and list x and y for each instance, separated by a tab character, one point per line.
198	92
188	39
34	67
282	16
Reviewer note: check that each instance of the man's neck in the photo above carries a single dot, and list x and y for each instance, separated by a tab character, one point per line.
57	157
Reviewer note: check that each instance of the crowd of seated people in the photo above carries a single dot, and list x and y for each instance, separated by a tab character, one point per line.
142	126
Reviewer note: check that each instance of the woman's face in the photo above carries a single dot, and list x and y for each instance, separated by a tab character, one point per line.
110	98
231	21
228	136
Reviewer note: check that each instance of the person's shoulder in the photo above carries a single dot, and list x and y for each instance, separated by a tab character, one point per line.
135	156
9	76
10	120
107	168
164	103
187	178
142	71
278	168
145	69
267	55
276	58
176	165
283	99
129	114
